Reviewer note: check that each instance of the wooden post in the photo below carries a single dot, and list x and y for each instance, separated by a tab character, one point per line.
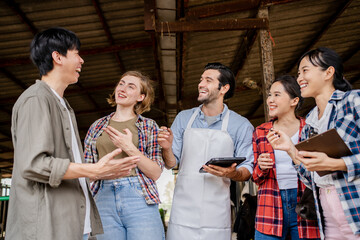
266	59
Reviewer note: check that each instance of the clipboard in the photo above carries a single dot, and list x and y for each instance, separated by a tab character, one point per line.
223	162
328	142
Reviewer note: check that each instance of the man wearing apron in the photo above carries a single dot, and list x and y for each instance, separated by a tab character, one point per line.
201	202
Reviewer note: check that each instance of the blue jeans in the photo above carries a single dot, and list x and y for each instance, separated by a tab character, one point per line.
124	212
289	200
86	236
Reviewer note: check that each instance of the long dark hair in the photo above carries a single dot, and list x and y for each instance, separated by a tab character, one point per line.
324	58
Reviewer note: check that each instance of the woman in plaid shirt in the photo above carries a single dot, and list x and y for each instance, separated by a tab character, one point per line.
128	206
320	75
279	186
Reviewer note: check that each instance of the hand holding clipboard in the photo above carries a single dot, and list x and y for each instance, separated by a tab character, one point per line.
328	142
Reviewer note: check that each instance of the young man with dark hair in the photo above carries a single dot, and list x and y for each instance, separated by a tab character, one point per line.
201	203
50	197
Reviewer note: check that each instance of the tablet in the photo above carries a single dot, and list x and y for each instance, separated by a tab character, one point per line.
223	162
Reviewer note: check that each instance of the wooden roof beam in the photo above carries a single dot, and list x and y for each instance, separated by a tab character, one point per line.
351	68
92	100
208	25
181	40
351	52
108	34
268	3
5	133
221	8
354	78
13	78
258	103
158	69
4	149
321	32
5	111
149	17
91	51
243	51
16	9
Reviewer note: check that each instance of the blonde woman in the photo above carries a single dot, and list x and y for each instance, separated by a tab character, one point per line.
128	206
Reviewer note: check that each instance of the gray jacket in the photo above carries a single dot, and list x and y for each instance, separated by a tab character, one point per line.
42	205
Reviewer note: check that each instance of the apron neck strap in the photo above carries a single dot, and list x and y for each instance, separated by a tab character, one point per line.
192	118
224	125
225	122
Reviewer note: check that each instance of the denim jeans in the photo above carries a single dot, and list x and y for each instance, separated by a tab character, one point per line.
289	200
124	212
86	236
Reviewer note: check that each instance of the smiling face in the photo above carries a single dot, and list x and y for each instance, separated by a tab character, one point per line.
209	86
71	66
279	102
311	79
128	91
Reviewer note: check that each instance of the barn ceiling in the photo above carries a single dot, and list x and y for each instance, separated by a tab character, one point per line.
171	41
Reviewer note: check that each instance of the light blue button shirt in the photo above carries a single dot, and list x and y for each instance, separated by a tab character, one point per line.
239	128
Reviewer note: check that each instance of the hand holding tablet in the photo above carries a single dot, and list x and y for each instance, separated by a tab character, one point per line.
223	162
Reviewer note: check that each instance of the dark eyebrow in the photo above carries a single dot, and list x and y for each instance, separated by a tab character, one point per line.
206	78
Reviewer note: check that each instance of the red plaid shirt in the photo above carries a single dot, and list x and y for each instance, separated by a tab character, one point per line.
269	213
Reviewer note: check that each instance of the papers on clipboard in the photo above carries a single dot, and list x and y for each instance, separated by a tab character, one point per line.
328	142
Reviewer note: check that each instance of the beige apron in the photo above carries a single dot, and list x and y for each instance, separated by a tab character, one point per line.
201	203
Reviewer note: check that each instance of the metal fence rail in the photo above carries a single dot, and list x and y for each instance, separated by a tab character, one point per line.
4	205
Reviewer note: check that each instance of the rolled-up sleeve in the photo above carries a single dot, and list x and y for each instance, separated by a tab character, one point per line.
34	143
178	131
244	146
153	147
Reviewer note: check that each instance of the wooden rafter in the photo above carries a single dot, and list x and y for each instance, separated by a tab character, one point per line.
351	68
16	9
181	41
108	34
258	103
7	62
350	52
5	111
267	3
4	149
87	93
354	78
158	70
5	133
221	8
13	78
209	25
266	59
321	32
149	16
243	51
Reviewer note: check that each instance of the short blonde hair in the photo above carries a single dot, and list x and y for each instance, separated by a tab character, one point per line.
146	89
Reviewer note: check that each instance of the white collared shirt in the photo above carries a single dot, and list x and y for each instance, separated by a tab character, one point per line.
77	159
320	126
